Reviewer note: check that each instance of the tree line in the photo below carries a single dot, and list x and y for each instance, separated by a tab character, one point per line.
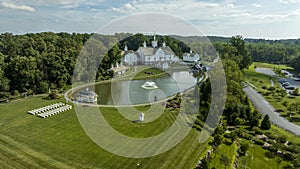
38	62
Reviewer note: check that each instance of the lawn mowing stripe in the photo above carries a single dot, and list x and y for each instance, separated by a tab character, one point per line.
20	156
34	153
10	161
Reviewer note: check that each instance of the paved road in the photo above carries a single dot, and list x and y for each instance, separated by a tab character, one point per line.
270	72
266	71
293	82
264	108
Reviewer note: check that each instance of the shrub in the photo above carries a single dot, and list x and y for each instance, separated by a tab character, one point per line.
243	148
258	141
227	135
29	92
288	166
257	130
272	149
247	136
271	135
284	103
16	93
53	96
270	154
271	88
294	149
288	156
282	139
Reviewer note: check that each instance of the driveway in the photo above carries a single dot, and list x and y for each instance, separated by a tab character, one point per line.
264	107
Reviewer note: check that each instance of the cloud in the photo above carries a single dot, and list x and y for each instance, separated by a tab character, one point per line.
17	7
289	1
129	7
256	5
66	4
286	15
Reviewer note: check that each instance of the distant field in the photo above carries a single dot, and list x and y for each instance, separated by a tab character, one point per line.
27	141
272	66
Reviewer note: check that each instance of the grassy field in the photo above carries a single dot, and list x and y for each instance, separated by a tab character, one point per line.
143	75
290	137
27	141
256	158
280	104
227	150
272	66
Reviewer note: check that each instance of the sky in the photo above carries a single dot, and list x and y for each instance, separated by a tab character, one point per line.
268	19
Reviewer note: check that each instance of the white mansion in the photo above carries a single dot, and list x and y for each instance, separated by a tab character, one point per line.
157	56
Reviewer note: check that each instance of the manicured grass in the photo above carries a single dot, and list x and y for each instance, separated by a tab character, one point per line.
27	141
255	158
227	150
281	132
156	73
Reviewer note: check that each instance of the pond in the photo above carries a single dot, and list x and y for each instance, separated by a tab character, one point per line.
131	92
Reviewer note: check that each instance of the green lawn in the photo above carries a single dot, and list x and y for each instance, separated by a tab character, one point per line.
156	73
281	132
223	149
255	158
27	141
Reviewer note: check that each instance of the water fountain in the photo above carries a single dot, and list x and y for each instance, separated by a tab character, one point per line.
149	85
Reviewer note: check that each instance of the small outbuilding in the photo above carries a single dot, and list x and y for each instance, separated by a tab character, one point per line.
87	96
119	69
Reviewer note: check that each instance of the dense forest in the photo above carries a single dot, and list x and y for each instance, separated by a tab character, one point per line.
38	62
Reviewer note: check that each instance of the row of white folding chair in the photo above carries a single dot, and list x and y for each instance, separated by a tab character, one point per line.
55	111
46	108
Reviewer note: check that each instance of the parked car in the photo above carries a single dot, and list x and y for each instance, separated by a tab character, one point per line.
282	80
285	84
289	87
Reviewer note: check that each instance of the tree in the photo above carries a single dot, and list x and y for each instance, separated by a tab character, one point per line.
265	124
4	82
241	50
224	160
243	148
254	119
